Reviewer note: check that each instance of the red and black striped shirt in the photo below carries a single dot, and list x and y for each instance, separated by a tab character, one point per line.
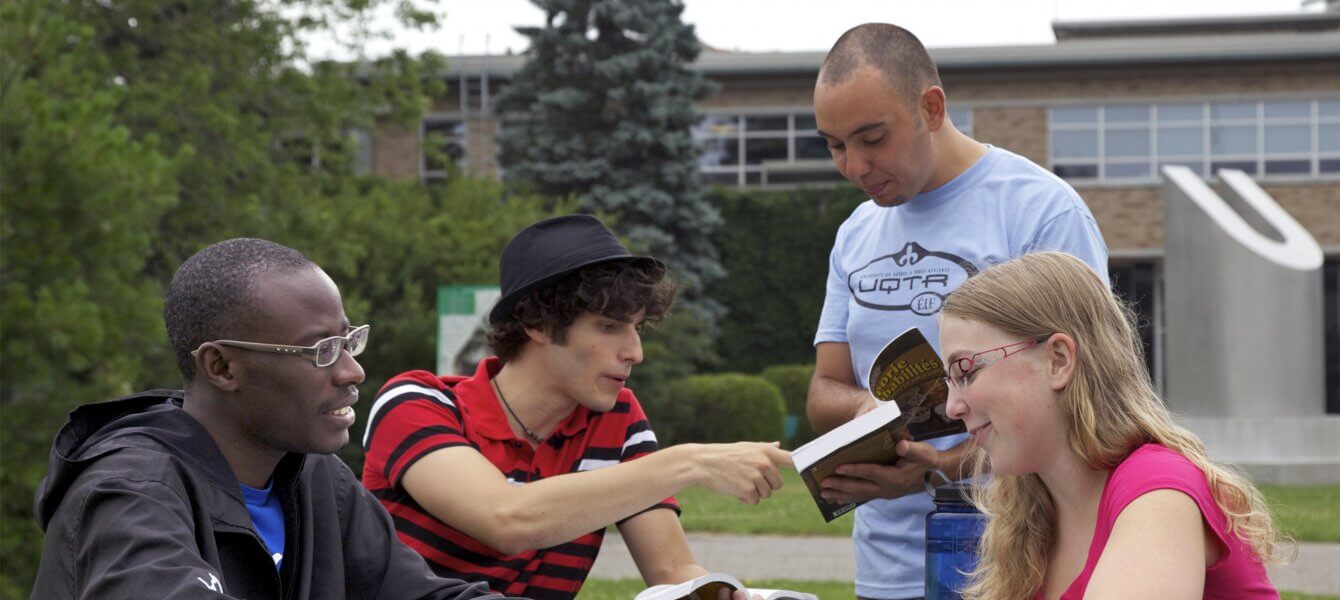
417	413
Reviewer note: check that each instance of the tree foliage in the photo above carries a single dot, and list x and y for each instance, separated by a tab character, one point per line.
775	246
602	111
134	133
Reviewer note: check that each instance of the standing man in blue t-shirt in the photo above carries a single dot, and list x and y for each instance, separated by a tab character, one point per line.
942	207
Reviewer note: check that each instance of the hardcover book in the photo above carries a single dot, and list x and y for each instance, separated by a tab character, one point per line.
907	382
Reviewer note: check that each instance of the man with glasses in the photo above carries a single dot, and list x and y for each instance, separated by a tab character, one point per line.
228	488
942	206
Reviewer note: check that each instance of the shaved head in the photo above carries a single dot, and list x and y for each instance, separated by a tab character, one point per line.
214	292
890	49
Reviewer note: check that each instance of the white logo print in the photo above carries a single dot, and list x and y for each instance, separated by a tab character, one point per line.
213	584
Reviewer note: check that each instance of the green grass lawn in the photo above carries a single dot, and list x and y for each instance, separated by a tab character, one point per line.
790	511
1309	513
625	589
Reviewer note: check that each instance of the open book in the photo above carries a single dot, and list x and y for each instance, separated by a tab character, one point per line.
907	381
709	586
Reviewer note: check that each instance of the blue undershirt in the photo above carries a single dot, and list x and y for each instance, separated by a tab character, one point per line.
267	516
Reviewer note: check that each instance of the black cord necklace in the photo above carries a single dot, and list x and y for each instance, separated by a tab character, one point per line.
530	434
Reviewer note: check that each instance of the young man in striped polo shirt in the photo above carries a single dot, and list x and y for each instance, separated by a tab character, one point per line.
511	475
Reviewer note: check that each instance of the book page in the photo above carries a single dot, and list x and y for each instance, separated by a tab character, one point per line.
907	382
781	594
707	587
844	434
875	448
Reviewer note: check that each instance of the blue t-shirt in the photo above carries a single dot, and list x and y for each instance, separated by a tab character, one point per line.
892	268
268	518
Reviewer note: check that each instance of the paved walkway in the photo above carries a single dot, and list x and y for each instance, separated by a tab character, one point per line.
1317	570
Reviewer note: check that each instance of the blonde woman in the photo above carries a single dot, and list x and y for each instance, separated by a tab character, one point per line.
1095	491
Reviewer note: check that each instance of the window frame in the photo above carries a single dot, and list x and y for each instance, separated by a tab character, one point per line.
462	139
747	175
1260	158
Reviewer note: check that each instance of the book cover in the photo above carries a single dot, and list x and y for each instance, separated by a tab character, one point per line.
907	381
709	587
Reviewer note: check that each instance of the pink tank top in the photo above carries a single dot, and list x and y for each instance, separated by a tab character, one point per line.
1237	575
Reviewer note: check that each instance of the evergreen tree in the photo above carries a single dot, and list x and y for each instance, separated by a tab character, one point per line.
133	133
602	111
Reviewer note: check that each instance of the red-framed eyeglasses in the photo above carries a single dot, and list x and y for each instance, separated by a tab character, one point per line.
962	369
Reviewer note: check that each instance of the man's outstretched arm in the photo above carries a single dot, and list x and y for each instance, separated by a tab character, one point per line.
463	489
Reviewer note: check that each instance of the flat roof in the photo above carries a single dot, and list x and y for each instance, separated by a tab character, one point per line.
1265	38
1295	23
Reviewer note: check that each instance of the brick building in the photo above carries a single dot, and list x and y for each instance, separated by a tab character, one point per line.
1104	107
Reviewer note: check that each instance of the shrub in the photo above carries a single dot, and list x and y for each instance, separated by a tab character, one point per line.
794	383
722	407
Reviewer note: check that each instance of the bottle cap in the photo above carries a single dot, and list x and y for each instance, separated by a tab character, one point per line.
953	493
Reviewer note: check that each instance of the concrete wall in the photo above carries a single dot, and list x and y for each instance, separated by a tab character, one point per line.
1242	283
1244	356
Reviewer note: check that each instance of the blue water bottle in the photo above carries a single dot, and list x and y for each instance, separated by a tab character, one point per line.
952	532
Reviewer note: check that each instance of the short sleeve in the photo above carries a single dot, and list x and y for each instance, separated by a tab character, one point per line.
410	420
1074	232
1152	468
833	318
640	440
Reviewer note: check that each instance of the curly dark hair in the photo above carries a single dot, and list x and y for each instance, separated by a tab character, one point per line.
615	289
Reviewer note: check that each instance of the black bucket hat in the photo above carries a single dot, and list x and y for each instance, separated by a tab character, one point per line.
547	250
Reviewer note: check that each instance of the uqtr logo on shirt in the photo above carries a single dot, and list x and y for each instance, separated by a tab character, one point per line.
913	279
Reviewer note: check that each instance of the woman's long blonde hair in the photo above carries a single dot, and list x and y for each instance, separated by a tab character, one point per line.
1110	409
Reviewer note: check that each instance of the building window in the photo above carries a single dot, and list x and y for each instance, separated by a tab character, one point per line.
752	149
1122	143
442	144
362	159
962	119
772	148
1140	284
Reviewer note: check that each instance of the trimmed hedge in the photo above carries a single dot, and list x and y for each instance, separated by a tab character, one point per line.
721	407
794	383
774	247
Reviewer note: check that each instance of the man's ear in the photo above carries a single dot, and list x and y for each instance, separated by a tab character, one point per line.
1061	357
539	336
932	107
213	365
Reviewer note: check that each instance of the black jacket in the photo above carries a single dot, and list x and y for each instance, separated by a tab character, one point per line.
138	502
